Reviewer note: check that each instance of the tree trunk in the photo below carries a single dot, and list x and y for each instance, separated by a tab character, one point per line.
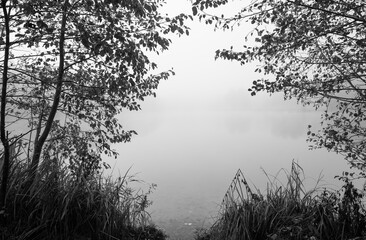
56	100
3	135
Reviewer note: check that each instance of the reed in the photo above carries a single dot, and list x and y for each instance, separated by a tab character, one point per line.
60	205
288	211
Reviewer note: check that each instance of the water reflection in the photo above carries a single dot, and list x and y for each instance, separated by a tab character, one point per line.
192	156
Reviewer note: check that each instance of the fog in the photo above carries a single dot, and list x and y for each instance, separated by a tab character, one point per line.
204	125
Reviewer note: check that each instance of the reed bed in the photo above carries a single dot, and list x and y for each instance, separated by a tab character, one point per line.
288	212
60	205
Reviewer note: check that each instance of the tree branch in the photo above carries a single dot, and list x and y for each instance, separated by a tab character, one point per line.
329	12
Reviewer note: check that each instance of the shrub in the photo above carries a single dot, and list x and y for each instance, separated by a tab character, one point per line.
288	212
60	205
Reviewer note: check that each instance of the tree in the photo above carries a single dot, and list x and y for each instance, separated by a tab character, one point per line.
313	51
68	69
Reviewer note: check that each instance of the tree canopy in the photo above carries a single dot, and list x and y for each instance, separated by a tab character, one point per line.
69	68
310	50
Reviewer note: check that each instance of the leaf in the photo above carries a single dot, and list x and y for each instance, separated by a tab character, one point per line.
194	10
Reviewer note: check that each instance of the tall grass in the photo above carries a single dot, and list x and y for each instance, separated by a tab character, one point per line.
288	211
60	205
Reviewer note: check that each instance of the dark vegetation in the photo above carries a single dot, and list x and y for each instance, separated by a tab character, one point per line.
62	205
68	69
312	51
286	211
